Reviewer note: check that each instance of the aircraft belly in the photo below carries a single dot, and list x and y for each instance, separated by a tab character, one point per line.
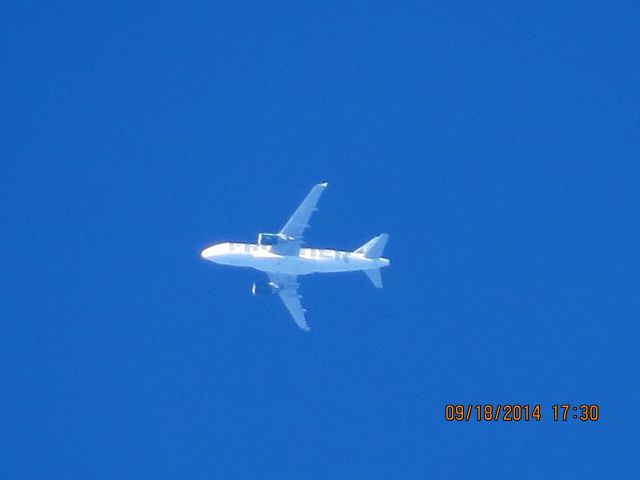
305	265
331	265
335	266
288	265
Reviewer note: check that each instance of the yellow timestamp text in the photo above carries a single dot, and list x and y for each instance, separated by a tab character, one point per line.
516	412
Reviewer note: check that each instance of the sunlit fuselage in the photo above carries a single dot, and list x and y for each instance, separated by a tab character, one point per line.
308	260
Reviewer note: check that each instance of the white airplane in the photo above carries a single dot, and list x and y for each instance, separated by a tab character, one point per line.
282	256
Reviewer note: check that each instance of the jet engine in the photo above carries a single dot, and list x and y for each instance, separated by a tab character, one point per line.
267	239
271	238
262	288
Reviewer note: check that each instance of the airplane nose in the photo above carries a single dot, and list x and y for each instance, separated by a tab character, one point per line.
214	253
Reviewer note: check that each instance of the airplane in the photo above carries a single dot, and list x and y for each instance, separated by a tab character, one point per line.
283	257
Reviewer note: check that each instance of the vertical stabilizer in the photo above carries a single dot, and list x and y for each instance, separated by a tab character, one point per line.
374	247
374	276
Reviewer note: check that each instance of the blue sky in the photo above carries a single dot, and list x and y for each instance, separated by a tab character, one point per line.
496	143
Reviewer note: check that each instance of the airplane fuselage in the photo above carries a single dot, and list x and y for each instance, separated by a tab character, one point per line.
308	260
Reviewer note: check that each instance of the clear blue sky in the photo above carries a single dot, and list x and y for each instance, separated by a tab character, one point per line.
497	143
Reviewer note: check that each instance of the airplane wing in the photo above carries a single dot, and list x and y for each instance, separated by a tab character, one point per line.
299	221
287	288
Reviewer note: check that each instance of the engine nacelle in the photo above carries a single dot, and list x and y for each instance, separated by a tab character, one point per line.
262	288
267	239
271	238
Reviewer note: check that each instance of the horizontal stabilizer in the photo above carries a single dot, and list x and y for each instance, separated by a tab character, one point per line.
374	276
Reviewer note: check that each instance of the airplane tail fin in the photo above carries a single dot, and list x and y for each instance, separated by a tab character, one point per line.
374	276
374	247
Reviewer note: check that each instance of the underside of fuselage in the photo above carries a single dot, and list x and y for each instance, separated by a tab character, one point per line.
329	262
303	266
